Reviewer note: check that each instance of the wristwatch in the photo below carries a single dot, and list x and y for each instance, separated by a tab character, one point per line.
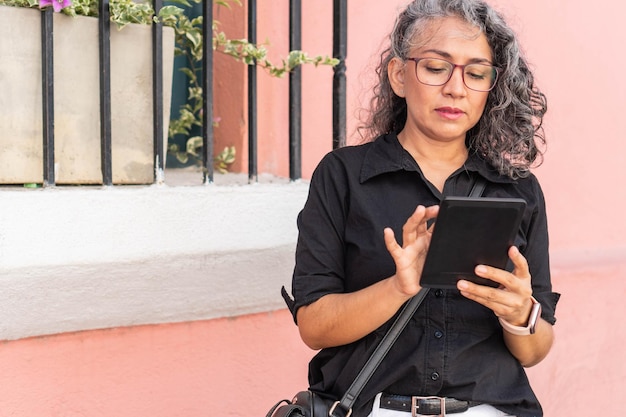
535	312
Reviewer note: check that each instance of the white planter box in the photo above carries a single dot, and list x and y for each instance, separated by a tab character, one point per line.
77	100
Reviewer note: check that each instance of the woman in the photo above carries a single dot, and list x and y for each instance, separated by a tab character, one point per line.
455	101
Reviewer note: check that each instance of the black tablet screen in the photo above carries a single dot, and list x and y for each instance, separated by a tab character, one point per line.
468	232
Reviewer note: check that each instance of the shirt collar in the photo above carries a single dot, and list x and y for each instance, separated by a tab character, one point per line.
386	155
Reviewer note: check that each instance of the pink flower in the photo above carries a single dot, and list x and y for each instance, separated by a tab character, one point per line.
57	5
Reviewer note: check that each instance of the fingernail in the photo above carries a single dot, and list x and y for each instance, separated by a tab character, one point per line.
481	269
462	285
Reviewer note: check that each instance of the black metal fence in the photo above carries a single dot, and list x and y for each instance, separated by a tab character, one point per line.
295	91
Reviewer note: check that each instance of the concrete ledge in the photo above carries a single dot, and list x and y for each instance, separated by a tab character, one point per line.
82	258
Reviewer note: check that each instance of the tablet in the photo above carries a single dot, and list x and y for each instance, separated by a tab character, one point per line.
470	231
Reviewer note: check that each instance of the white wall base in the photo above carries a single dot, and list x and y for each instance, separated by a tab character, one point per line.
82	258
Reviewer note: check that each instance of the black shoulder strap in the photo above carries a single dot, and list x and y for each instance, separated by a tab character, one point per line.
347	401
343	408
478	187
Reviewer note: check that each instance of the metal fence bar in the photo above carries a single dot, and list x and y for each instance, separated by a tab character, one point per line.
207	92
295	93
47	70
104	30
157	95
252	98
340	51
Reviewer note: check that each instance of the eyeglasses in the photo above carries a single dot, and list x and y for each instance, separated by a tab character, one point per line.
434	71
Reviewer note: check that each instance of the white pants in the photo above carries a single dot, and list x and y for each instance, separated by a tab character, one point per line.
483	410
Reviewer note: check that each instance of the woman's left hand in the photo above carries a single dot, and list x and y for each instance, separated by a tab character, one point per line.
511	301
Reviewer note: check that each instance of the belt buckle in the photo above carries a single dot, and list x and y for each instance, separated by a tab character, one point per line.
415	406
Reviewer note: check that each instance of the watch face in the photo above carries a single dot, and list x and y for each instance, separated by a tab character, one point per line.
534	316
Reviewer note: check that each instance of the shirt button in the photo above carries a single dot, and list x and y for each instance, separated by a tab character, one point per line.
434	376
439	293
438	334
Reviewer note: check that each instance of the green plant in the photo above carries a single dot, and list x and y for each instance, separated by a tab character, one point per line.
122	12
189	43
193	150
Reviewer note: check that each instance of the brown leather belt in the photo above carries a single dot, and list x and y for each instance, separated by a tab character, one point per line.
424	406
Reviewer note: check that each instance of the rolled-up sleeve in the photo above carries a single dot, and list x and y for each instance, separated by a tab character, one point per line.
319	268
537	255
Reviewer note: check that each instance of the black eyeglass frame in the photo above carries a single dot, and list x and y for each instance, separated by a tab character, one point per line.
455	66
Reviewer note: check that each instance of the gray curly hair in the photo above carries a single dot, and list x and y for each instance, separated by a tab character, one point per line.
510	129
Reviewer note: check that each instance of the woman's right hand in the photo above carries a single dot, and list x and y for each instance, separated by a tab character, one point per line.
409	258
339	319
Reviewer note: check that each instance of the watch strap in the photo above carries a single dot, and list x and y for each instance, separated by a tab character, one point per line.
535	312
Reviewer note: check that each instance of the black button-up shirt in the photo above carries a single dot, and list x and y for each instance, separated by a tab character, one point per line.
453	346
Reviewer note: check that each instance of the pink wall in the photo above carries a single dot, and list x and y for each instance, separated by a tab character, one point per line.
213	368
238	367
584	124
230	85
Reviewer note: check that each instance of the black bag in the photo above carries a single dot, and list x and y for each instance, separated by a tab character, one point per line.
304	404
